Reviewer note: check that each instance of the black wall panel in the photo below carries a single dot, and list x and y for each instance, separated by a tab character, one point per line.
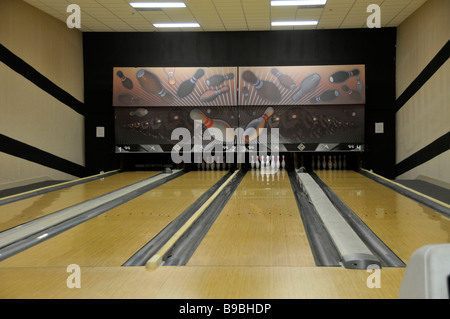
373	47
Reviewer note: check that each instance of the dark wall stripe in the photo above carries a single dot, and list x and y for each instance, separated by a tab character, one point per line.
33	154
27	71
434	65
430	151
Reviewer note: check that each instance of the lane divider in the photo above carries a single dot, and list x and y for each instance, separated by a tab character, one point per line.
43	228
157	258
354	252
408	189
51	188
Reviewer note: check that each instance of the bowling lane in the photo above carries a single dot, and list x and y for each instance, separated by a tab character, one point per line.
259	226
401	223
25	210
112	238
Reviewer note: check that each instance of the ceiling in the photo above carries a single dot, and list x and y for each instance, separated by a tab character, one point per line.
226	15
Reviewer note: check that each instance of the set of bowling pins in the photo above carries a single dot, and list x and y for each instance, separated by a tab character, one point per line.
333	163
267	162
268	167
212	163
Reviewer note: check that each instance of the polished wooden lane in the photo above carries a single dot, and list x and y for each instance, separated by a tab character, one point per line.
400	222
111	238
223	282
259	226
25	210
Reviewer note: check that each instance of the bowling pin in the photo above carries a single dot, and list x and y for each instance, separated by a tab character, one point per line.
262	161
268	161
278	162
273	164
187	86
334	162
318	162
227	135
170	75
355	95
126	82
324	162
129	99
139	112
252	163
265	89
218	79
151	83
245	93
342	76
211	95
284	79
359	84
308	84
257	162
312	163
252	130
326	96
330	163
283	163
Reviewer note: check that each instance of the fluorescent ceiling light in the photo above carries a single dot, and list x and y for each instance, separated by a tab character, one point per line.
142	5
298	3
285	23
176	25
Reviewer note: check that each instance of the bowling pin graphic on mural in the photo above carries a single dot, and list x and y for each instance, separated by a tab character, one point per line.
126	82
218	79
265	89
211	95
308	85
284	79
140	112
342	76
188	86
129	99
151	83
252	130
326	96
170	75
227	133
355	95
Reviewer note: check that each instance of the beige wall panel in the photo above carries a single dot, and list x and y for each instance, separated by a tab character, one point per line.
34	117
419	38
426	116
45	43
22	172
437	169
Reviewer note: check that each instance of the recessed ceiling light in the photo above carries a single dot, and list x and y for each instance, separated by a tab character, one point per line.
298	3
288	23
176	25
144	5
